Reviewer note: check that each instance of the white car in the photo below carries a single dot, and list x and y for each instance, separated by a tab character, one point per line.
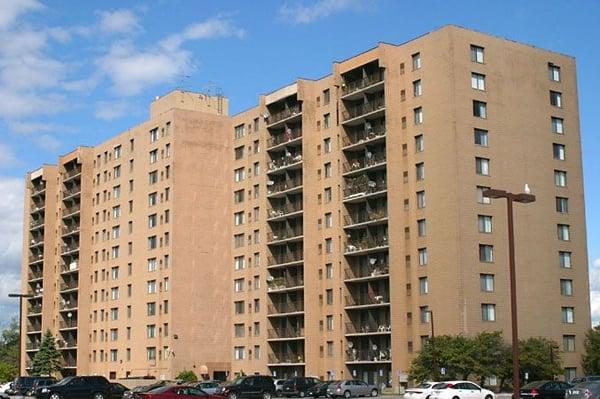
460	390
422	391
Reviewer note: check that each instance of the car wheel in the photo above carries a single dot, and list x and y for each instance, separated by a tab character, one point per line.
301	394
375	393
456	397
232	395
278	393
266	395
346	394
98	395
54	396
488	397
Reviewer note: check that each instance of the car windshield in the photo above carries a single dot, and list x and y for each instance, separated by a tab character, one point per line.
160	389
424	385
237	381
534	384
65	381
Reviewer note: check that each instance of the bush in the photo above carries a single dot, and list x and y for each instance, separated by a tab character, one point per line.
187	376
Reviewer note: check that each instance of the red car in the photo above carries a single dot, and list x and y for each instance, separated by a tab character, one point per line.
177	392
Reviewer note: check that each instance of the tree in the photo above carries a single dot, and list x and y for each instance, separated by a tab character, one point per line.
187	376
453	353
9	351
540	358
47	360
590	360
493	356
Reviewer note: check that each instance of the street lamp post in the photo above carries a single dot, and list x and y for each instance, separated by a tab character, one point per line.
433	352
523	198
20	296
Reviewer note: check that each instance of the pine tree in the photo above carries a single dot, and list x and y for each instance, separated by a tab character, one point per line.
47	360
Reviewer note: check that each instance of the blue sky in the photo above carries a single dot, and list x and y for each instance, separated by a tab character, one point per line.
76	73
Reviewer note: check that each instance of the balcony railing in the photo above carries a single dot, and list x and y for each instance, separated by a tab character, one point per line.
363	187
36	223
37	208
36	189
73	266
69	362
284	162
368	328
31	346
366	162
365	217
35	275
282	283
363	300
296	256
68	305
355	85
363	109
285	234
286	307
365	271
287	136
378	355
35	310
68	324
279	333
284	185
69	230
34	327
71	210
286	113
36	258
286	209
363	135
71	191
286	358
73	172
34	242
66	343
69	248
366	243
68	286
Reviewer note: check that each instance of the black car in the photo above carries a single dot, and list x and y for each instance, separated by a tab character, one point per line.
297	386
545	389
319	390
252	386
83	387
38	384
117	390
22	385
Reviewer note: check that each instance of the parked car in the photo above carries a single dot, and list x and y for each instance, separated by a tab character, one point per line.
545	389
577	380
5	389
21	385
460	390
210	387
252	386
320	389
422	391
348	388
176	392
39	383
117	390
584	390
81	387
297	386
279	387
133	393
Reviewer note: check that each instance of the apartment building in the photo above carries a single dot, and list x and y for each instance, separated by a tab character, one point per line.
358	212
122	262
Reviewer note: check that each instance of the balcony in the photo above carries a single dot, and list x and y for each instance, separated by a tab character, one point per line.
70	174
285	187
383	355
66	231
38	189
72	285
36	258
355	114
358	139
366	245
37	209
35	275
36	242
35	310
32	346
284	284
287	259
285	308
34	328
370	328
70	268
363	301
365	218
289	136
287	210
68	249
70	211
357	190
69	363
290	114
67	324
35	224
288	333
370	83
287	162
281	236
68	305
291	359
367	273
71	192
66	344
358	166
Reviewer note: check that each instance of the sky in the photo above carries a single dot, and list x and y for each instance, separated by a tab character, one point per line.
78	72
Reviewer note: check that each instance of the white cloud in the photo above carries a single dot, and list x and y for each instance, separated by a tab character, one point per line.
10	10
210	29
595	291
119	21
110	110
7	157
298	13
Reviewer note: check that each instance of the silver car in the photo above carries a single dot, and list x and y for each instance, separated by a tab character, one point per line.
584	390
349	388
210	387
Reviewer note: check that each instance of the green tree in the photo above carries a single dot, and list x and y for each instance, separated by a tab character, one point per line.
47	360
492	356
454	353
187	376
540	358
9	351
590	360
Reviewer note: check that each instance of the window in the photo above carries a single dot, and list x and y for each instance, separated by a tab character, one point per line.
152	221
153	156
151	308
168	150
329	322
564	259
328	220
420	171
116	232
116	192
481	137
116	211
114	314
422	256
484	223
255	122
239	217
418	115
239	131
152	264
327	145
151	331
153	135
488	312
569	343
238	285
114	334
482	166
329	271
479	109
563	231
256	168
114	272
239	152
558	151
114	293
560	178
555	98
477	81
329	296
424	314
151	286
480	198
423	285
487	282
152	242
114	252
239	174
151	353
422	227
239	262
328	169
419	144
326	96
557	125
568	315
416	61
562	205
328	194
238	196
417	88
477	54
486	253
152	199
239	330
420	199
554	72
238	240
326	121
239	353
328	245
239	307
566	287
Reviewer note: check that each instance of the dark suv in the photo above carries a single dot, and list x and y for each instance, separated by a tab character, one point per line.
297	386
22	385
85	387
39	383
252	386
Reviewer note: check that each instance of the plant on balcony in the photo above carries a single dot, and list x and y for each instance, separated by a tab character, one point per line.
47	360
277	283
